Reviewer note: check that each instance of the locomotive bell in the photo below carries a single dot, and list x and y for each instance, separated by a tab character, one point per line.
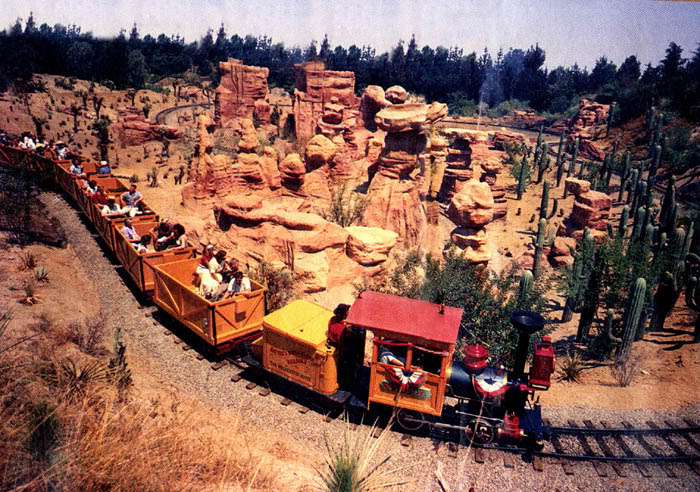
527	323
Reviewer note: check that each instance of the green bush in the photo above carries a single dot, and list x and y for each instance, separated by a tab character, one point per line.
63	83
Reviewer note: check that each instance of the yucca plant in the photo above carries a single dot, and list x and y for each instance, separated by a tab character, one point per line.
571	366
41	274
75	379
28	260
350	468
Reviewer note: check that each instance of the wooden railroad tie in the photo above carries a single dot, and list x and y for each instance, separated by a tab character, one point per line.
177	341
186	347
671	444
235	378
377	432
618	467
537	463
600	468
264	391
303	410
693	443
155	323
508	460
285	402
651	451
479	455
218	365
166	333
251	385
643	469
406	440
199	356
566	465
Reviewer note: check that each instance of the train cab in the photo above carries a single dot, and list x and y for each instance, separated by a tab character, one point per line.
412	349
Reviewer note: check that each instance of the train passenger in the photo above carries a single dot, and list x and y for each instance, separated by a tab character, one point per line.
111	208
164	228
203	265
132	198
99	197
104	168
61	150
217	264
76	169
238	284
129	231
176	239
144	244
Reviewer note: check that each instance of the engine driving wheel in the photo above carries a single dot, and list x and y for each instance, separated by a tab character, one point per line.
410	420
479	432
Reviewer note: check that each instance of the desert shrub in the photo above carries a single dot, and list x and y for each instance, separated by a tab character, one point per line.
507	107
134	178
571	367
459	104
45	429
63	83
352	466
279	283
88	335
624	370
27	260
346	206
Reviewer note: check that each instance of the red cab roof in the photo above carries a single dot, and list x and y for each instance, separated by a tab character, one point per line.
405	316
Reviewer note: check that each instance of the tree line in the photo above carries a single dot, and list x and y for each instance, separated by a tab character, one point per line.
516	77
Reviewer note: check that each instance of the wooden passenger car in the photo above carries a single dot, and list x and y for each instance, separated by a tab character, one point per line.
25	159
140	266
84	199
220	324
67	180
420	337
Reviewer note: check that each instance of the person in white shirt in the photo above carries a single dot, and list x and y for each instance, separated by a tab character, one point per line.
129	231
239	283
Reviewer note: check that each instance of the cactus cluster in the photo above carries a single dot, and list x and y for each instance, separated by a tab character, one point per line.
579	276
542	240
572	165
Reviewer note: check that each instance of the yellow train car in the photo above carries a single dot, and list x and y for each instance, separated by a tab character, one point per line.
295	346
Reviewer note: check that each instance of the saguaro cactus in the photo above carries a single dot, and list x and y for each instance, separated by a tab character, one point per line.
522	177
525	288
631	319
670	283
669	209
692	290
543	239
624	217
572	165
544	205
560	158
543	163
624	176
632	185
581	270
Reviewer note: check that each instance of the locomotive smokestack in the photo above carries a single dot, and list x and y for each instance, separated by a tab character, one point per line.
527	323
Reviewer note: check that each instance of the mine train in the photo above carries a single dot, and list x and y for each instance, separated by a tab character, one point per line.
412	368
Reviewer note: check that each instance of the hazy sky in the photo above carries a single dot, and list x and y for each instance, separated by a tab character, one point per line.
568	31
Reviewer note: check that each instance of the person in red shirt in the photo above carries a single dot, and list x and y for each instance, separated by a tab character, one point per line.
99	196
336	326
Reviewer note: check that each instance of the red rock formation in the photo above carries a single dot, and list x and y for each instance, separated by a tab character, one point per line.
319	90
473	206
503	139
134	129
590	211
242	93
589	124
459	169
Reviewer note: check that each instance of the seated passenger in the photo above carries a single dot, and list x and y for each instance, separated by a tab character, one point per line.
208	285
240	283
61	150
132	198
129	231
216	265
76	169
104	168
144	244
176	239
99	197
203	266
164	228
111	208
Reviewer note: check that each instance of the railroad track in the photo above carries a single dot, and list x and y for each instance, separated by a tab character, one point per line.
613	451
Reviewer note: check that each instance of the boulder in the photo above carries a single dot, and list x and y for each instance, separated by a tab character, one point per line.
470	244
596	199
319	152
292	171
577	186
270	171
563	246
401	118
313	268
472	206
369	245
396	94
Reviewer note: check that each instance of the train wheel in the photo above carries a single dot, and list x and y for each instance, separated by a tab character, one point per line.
479	432
410	420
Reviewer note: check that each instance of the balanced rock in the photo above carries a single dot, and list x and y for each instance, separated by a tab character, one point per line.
292	171
591	210
471	244
577	186
472	206
396	94
369	245
268	165
401	118
319	152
